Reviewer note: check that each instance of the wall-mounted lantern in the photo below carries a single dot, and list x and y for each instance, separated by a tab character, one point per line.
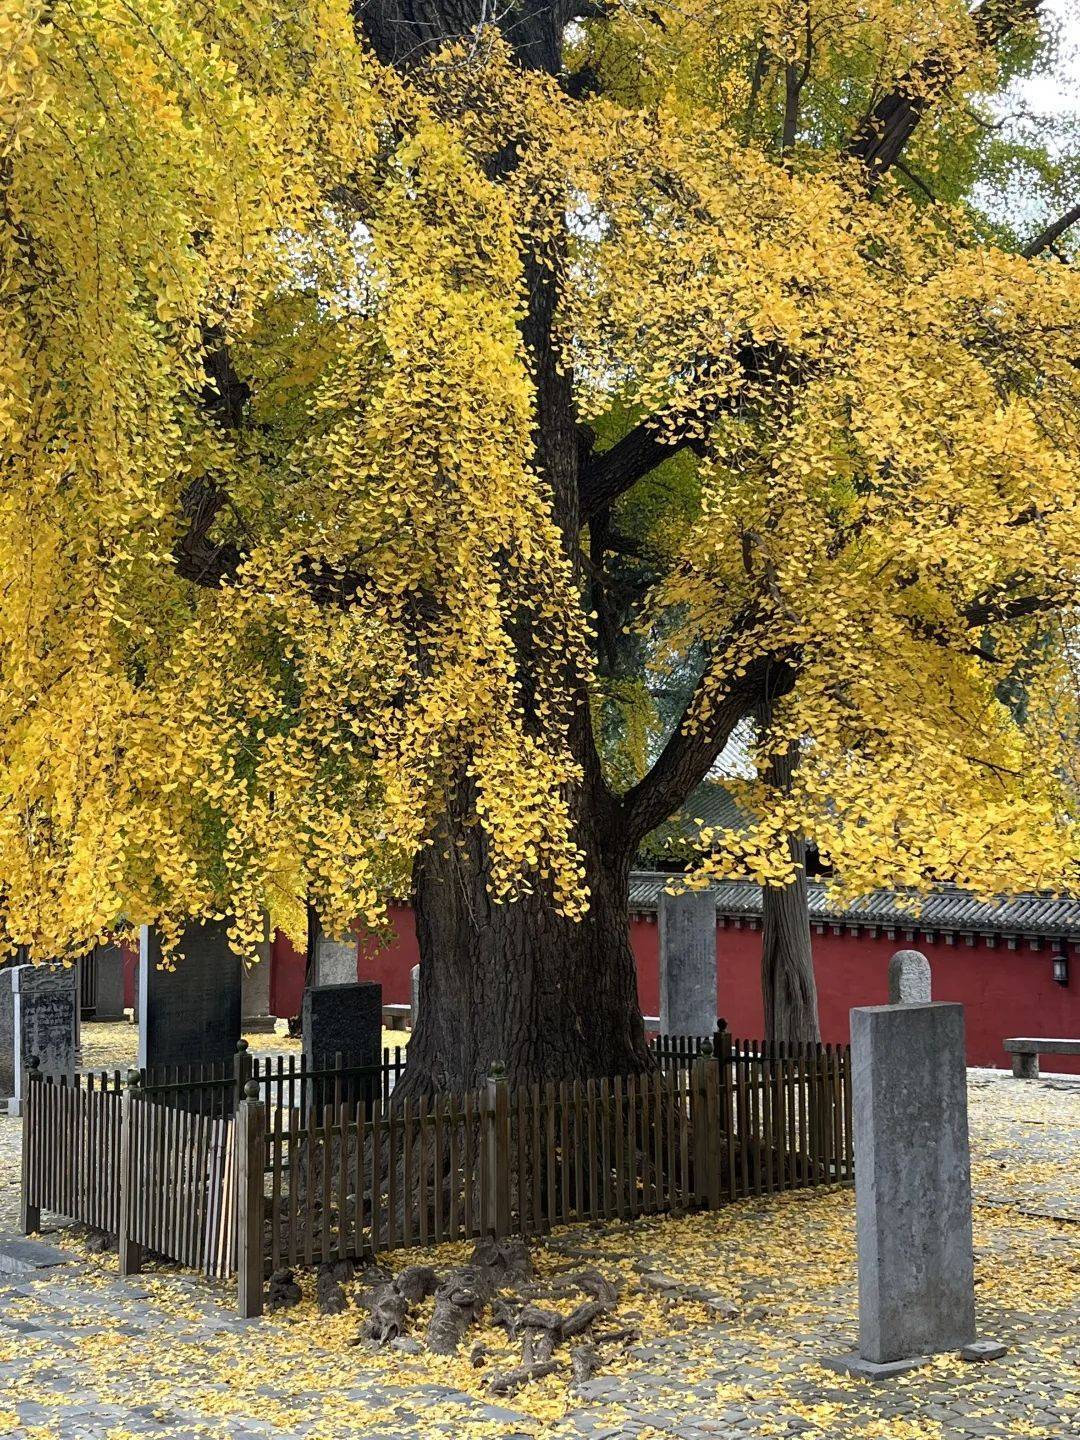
1061	966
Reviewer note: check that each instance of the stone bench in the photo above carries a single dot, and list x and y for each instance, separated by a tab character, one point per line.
1025	1053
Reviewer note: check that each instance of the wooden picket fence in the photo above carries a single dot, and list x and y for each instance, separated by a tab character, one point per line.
285	1081
71	1153
272	1184
178	1196
359	1179
159	1177
678	1052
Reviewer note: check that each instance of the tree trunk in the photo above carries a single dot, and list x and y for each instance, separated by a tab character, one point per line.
518	984
788	988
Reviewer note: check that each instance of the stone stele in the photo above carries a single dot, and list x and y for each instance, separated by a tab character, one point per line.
39	1017
345	1020
687	925
912	1181
190	1014
909	978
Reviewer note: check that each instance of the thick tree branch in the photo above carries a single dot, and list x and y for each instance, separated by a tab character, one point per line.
692	749
604	477
881	138
999	606
403	33
224	399
199	559
1002	604
608	475
1045	239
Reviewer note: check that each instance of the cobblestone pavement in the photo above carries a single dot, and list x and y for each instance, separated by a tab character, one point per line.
86	1356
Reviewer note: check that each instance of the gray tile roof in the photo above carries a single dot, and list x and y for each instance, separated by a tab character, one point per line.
714	805
945	908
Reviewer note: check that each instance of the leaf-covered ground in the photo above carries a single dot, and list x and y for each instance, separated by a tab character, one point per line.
83	1354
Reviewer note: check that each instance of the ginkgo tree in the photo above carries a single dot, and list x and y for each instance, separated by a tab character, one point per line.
336	344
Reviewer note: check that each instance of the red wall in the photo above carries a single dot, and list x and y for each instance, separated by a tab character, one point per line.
389	965
1005	992
287	966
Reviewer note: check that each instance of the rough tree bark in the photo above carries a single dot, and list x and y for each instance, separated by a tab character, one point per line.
521	985
788	988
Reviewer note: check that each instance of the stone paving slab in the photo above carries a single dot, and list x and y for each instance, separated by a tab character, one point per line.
19	1256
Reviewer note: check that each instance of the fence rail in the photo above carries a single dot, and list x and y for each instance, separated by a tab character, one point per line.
285	1081
267	1181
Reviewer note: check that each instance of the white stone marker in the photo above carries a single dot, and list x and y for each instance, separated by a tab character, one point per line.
414	996
335	961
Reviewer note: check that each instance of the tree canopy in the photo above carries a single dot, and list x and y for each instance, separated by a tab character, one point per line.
280	554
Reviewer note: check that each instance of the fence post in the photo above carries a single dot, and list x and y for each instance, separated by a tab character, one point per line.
250	1163
705	1115
30	1215
496	1189
130	1250
241	1071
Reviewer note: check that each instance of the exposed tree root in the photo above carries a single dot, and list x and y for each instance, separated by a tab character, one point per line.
510	1381
584	1361
459	1301
499	1275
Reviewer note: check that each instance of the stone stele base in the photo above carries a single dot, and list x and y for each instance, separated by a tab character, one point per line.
868	1370
854	1364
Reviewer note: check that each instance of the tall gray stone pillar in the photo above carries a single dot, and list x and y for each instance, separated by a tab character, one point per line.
414	996
189	1015
109	983
912	1185
688	963
255	989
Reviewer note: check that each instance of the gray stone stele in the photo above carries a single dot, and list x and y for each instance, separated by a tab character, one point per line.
912	1181
255	997
108	962
7	1034
344	1020
335	961
687	926
39	1016
255	1013
189	1015
909	978
414	996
